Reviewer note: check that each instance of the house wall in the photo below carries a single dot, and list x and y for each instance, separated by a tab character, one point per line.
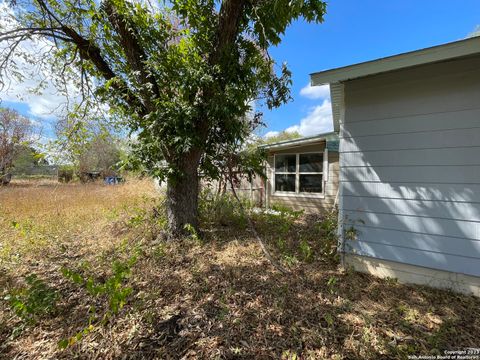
304	202
410	167
412	274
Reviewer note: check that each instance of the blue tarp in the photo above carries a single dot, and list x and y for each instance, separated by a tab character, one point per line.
112	180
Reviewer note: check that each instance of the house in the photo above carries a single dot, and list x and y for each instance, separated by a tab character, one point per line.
409	192
303	173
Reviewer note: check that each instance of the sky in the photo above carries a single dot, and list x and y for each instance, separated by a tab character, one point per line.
353	31
356	31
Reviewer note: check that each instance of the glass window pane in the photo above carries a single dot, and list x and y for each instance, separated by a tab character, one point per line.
311	183
285	163
285	182
311	162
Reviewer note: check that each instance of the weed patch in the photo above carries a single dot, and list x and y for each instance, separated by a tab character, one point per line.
113	289
124	292
33	301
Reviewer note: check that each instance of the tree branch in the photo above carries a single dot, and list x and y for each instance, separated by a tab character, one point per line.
90	51
231	12
133	51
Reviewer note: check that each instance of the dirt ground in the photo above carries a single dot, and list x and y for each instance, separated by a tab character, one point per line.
84	274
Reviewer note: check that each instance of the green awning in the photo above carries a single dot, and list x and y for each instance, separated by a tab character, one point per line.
332	145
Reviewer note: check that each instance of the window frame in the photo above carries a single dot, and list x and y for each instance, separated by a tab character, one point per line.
297	173
285	173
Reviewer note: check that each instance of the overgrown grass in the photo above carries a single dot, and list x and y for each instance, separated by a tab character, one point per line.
39	217
84	274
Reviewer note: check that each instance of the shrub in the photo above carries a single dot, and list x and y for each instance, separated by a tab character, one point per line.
66	173
147	216
306	250
329	235
35	300
222	210
112	288
276	221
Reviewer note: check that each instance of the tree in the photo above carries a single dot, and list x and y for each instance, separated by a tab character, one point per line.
181	74
102	154
16	132
239	160
282	136
27	157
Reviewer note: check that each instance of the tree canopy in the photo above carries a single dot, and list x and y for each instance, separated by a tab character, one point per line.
16	133
101	154
180	74
281	136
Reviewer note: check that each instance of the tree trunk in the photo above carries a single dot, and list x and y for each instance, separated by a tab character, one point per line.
182	198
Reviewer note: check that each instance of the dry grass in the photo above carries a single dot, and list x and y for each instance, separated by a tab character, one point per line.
218	298
37	217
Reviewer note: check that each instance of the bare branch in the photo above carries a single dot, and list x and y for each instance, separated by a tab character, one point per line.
27	29
22	33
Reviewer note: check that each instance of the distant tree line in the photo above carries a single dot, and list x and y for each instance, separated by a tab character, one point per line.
20	153
16	138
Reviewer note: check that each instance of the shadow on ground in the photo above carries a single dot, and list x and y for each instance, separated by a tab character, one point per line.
220	298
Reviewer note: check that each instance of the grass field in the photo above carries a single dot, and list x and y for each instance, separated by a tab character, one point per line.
83	274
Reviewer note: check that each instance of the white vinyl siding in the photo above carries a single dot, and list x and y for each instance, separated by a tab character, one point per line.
410	166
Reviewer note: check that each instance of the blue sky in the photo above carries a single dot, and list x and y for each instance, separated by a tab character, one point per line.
353	31
356	31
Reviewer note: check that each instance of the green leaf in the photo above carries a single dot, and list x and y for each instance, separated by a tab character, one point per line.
63	344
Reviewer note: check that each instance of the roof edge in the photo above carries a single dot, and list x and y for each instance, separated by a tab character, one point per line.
451	50
300	141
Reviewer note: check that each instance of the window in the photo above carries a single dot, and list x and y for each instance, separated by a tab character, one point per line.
311	173
285	172
299	173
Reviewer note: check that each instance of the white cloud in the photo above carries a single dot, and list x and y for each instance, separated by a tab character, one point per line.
475	32
319	120
270	134
315	92
45	103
